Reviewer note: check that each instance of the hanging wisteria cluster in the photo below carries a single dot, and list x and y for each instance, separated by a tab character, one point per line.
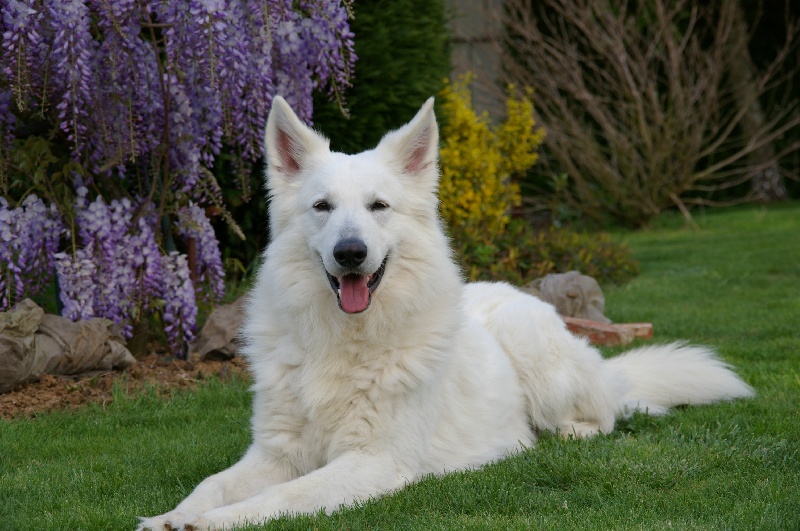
193	225
145	95
118	272
29	237
114	72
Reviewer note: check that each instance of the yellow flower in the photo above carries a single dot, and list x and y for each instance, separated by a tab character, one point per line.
481	163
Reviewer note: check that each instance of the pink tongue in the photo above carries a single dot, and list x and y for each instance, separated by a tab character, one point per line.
355	293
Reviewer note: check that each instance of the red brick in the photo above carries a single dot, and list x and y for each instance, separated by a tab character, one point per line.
608	334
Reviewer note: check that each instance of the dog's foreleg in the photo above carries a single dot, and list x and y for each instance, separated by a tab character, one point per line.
251	475
351	477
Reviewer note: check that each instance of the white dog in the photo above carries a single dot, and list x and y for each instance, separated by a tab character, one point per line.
375	364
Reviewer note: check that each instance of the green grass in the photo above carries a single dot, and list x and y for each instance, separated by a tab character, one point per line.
734	284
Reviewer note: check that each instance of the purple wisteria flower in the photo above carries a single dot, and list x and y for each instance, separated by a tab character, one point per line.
115	76
79	290
180	306
29	239
119	272
20	26
193	223
71	57
126	276
311	51
145	96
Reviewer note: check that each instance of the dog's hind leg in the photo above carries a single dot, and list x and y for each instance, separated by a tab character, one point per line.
568	386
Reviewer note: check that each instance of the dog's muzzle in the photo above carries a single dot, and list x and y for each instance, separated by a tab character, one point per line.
354	290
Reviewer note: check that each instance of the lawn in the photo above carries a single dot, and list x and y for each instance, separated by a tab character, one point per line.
733	284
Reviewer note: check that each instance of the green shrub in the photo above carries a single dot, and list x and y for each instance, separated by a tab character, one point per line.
522	254
403	55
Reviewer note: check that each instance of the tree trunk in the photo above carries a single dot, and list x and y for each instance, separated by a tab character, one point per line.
767	183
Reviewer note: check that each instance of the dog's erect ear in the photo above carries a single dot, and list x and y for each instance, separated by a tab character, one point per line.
288	141
415	146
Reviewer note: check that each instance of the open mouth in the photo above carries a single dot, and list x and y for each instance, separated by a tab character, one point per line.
354	291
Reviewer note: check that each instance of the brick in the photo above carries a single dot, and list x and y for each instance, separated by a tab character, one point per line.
608	334
640	330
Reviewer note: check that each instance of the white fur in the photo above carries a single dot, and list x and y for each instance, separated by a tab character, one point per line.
434	376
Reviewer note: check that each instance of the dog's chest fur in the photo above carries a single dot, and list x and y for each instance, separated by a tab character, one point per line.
320	404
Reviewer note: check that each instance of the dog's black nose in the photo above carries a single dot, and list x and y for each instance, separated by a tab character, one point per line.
350	252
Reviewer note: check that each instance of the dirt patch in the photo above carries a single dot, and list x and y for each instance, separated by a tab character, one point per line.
156	371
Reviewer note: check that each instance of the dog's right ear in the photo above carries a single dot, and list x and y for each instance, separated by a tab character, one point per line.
414	148
288	142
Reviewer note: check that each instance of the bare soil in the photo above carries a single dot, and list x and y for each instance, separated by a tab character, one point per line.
156	371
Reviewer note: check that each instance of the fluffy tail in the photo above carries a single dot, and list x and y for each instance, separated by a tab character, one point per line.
664	376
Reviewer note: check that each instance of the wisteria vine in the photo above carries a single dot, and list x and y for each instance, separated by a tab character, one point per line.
145	95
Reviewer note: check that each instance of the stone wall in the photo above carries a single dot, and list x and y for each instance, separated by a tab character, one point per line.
475	28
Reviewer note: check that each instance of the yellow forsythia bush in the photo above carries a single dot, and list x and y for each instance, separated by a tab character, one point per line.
480	163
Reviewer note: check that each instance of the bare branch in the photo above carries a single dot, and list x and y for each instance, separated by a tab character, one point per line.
637	102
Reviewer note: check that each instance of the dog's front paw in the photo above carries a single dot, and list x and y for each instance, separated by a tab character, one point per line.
171	521
201	524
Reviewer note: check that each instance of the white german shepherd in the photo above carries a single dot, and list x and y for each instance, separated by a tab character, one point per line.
375	364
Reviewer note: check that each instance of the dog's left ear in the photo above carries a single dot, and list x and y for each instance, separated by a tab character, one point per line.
415	146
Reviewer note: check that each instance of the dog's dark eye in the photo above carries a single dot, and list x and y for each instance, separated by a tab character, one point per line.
322	206
378	205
